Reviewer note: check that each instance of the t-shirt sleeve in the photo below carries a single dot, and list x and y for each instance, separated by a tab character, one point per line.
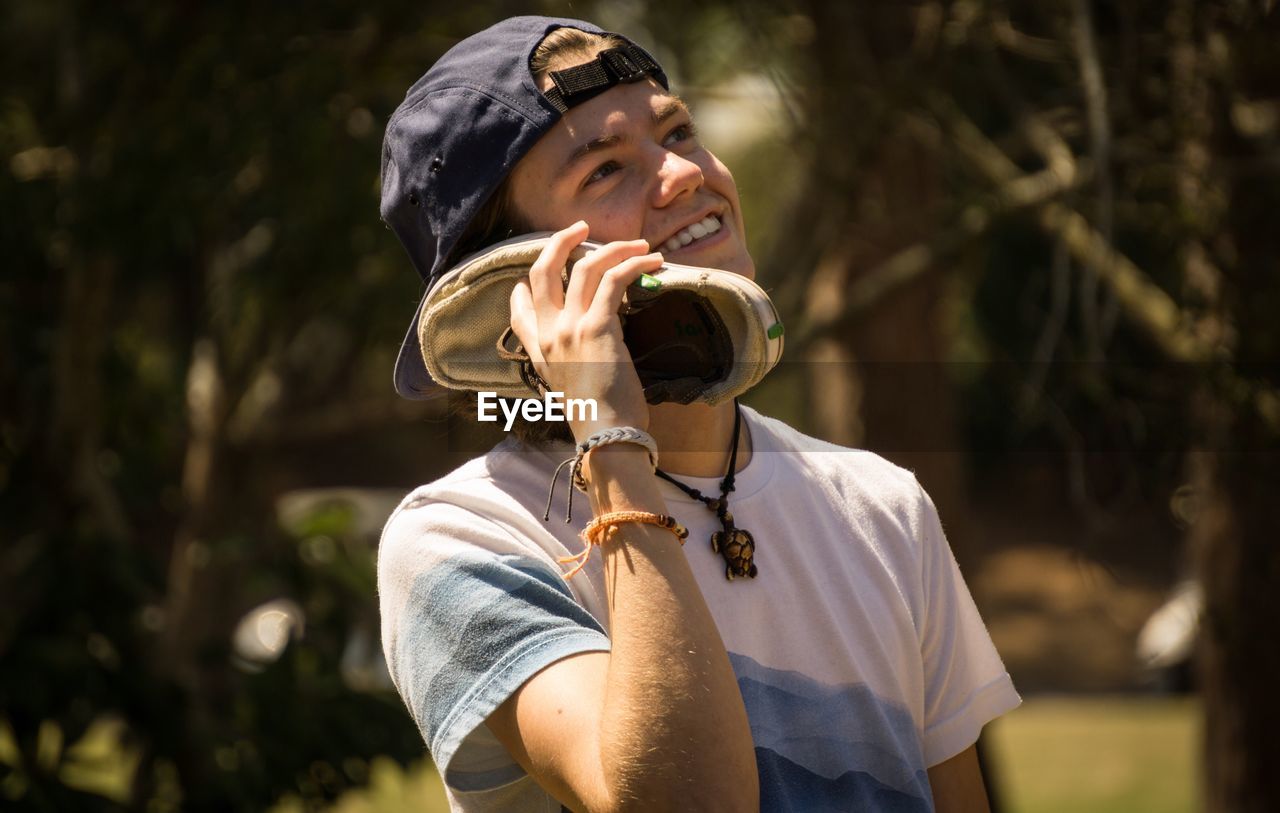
966	685
469	613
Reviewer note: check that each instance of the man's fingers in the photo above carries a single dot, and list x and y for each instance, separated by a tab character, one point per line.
588	271
613	285
524	320
544	275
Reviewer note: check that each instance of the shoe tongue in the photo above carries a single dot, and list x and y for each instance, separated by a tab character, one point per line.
676	371
675	391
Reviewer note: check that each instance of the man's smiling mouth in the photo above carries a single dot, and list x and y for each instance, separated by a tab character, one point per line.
709	225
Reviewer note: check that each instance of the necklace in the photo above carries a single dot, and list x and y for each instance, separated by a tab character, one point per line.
736	545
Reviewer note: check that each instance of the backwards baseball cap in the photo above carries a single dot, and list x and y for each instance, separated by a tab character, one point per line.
460	131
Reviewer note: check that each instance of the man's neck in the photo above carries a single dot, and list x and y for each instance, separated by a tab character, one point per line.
694	440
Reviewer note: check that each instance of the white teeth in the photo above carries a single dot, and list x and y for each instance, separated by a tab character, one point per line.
708	225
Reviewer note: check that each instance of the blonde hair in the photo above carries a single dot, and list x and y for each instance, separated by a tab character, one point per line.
566	47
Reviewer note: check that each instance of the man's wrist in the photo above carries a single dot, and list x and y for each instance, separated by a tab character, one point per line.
618	460
620	478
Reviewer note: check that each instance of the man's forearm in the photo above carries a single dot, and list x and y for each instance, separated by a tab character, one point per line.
674	725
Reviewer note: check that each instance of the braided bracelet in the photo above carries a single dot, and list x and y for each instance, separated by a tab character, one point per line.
616	434
604	527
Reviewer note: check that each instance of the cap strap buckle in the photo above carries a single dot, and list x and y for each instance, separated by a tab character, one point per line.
611	66
620	64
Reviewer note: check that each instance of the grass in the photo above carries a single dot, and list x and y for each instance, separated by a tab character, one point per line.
390	789
1102	755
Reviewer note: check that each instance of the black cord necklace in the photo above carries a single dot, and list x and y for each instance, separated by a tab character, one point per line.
736	545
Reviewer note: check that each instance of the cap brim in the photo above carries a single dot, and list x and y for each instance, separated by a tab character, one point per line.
411	377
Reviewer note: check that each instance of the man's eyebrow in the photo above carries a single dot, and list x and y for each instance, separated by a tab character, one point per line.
594	145
671	106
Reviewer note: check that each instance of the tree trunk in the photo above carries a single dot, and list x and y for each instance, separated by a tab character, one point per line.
1233	465
873	383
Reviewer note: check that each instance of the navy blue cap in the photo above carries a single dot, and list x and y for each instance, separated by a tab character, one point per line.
459	132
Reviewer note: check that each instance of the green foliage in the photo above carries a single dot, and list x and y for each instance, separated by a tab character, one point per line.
186	183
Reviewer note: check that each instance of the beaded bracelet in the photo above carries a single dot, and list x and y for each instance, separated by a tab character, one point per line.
616	434
604	527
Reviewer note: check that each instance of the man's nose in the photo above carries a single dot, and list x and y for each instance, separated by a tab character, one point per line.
677	176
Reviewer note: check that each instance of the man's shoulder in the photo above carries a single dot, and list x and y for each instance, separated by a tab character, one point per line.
488	507
501	486
507	469
845	466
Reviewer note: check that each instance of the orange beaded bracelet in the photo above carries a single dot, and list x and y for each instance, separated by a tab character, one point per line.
602	528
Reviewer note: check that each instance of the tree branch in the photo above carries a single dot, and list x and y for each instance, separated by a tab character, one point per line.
1097	326
1017	193
1145	302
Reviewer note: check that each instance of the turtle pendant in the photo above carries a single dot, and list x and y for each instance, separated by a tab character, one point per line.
738	548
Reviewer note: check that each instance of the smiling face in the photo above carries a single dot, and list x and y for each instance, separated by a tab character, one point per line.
630	164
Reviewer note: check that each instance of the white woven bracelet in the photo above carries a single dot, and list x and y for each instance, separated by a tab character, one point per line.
616	434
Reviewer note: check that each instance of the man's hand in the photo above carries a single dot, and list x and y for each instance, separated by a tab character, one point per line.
574	336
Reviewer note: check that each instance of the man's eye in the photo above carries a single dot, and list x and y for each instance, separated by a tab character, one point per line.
684	132
603	171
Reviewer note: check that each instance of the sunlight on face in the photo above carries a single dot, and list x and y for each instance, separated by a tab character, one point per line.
630	164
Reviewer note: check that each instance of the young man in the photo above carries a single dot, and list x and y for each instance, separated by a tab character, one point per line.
851	672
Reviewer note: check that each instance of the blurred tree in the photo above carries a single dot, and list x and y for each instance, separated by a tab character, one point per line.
197	289
1224	77
1107	167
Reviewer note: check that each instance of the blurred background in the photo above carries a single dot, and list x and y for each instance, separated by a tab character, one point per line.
1027	249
